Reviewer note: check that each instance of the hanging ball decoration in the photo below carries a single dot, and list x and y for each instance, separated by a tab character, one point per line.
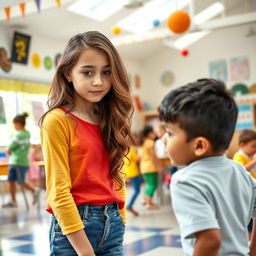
156	23
178	22
116	30
184	53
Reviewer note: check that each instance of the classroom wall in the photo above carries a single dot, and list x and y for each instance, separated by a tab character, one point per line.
222	44
38	44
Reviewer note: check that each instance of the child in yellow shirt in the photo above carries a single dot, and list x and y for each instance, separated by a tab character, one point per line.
247	157
131	169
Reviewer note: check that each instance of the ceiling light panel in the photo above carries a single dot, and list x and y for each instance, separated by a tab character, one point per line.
141	20
96	9
209	13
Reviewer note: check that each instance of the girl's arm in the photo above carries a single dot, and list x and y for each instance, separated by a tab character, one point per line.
80	243
207	243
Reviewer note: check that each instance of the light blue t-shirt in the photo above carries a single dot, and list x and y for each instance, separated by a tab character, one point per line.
214	193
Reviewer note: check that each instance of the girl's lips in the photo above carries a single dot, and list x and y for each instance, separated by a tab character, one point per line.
96	92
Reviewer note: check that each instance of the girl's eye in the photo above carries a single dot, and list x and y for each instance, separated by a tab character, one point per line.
107	72
88	73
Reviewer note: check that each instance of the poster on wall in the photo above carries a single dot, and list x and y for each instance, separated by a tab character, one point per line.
20	48
239	68
2	112
218	70
245	116
37	110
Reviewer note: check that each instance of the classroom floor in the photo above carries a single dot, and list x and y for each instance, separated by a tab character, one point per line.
154	232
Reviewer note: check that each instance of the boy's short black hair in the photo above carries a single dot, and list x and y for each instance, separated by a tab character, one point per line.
202	108
146	131
246	136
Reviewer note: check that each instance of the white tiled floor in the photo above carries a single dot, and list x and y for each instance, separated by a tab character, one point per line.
154	232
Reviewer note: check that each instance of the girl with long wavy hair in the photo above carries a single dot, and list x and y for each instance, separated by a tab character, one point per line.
85	136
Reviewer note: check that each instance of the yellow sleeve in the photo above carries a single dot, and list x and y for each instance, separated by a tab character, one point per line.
55	146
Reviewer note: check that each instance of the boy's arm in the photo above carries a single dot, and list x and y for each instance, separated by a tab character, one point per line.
252	251
207	242
250	165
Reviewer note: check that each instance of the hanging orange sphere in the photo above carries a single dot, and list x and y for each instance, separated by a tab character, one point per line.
178	22
116	30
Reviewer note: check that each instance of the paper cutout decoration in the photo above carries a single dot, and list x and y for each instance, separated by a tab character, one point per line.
38	5
57	59
8	13
138	103
37	110
2	112
47	62
20	48
5	63
58	2
22	8
167	78
239	89
218	70
239	68
245	116
137	81
36	60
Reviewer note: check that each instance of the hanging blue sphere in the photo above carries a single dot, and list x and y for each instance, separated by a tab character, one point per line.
156	23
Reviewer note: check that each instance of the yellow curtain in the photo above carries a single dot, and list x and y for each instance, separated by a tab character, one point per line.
23	86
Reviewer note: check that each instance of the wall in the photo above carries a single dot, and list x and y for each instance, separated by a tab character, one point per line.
222	44
38	44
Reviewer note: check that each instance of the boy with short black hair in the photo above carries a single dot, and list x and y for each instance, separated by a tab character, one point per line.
213	197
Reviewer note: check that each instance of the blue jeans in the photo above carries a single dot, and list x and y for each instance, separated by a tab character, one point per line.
135	182
103	226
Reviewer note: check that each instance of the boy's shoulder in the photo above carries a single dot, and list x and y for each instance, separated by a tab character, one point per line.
208	168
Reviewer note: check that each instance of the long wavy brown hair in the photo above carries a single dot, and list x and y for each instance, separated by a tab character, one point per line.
115	109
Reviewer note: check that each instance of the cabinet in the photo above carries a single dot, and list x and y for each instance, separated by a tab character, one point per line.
150	118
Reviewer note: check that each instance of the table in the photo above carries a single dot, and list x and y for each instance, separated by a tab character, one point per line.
4	171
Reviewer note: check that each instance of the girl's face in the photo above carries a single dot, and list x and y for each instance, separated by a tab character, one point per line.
18	126
91	76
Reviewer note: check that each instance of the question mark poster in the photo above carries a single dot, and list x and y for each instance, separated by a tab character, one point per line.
20	48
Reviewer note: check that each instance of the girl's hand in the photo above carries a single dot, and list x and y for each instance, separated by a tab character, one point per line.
8	152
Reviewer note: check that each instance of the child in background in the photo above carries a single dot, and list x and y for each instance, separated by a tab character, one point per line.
131	169
18	151
35	154
85	136
213	197
246	156
149	166
247	150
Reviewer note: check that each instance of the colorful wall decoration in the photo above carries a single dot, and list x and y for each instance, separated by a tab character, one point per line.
245	116
239	69
47	62
5	63
36	60
167	78
20	48
218	70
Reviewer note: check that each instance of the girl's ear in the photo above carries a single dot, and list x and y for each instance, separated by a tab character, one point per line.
201	146
68	77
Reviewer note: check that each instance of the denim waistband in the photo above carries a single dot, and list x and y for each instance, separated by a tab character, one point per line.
99	211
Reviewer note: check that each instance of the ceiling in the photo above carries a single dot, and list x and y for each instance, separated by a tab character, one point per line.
61	24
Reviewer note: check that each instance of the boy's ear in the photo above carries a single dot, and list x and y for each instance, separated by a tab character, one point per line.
201	146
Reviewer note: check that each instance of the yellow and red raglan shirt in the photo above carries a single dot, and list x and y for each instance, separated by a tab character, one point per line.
77	168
